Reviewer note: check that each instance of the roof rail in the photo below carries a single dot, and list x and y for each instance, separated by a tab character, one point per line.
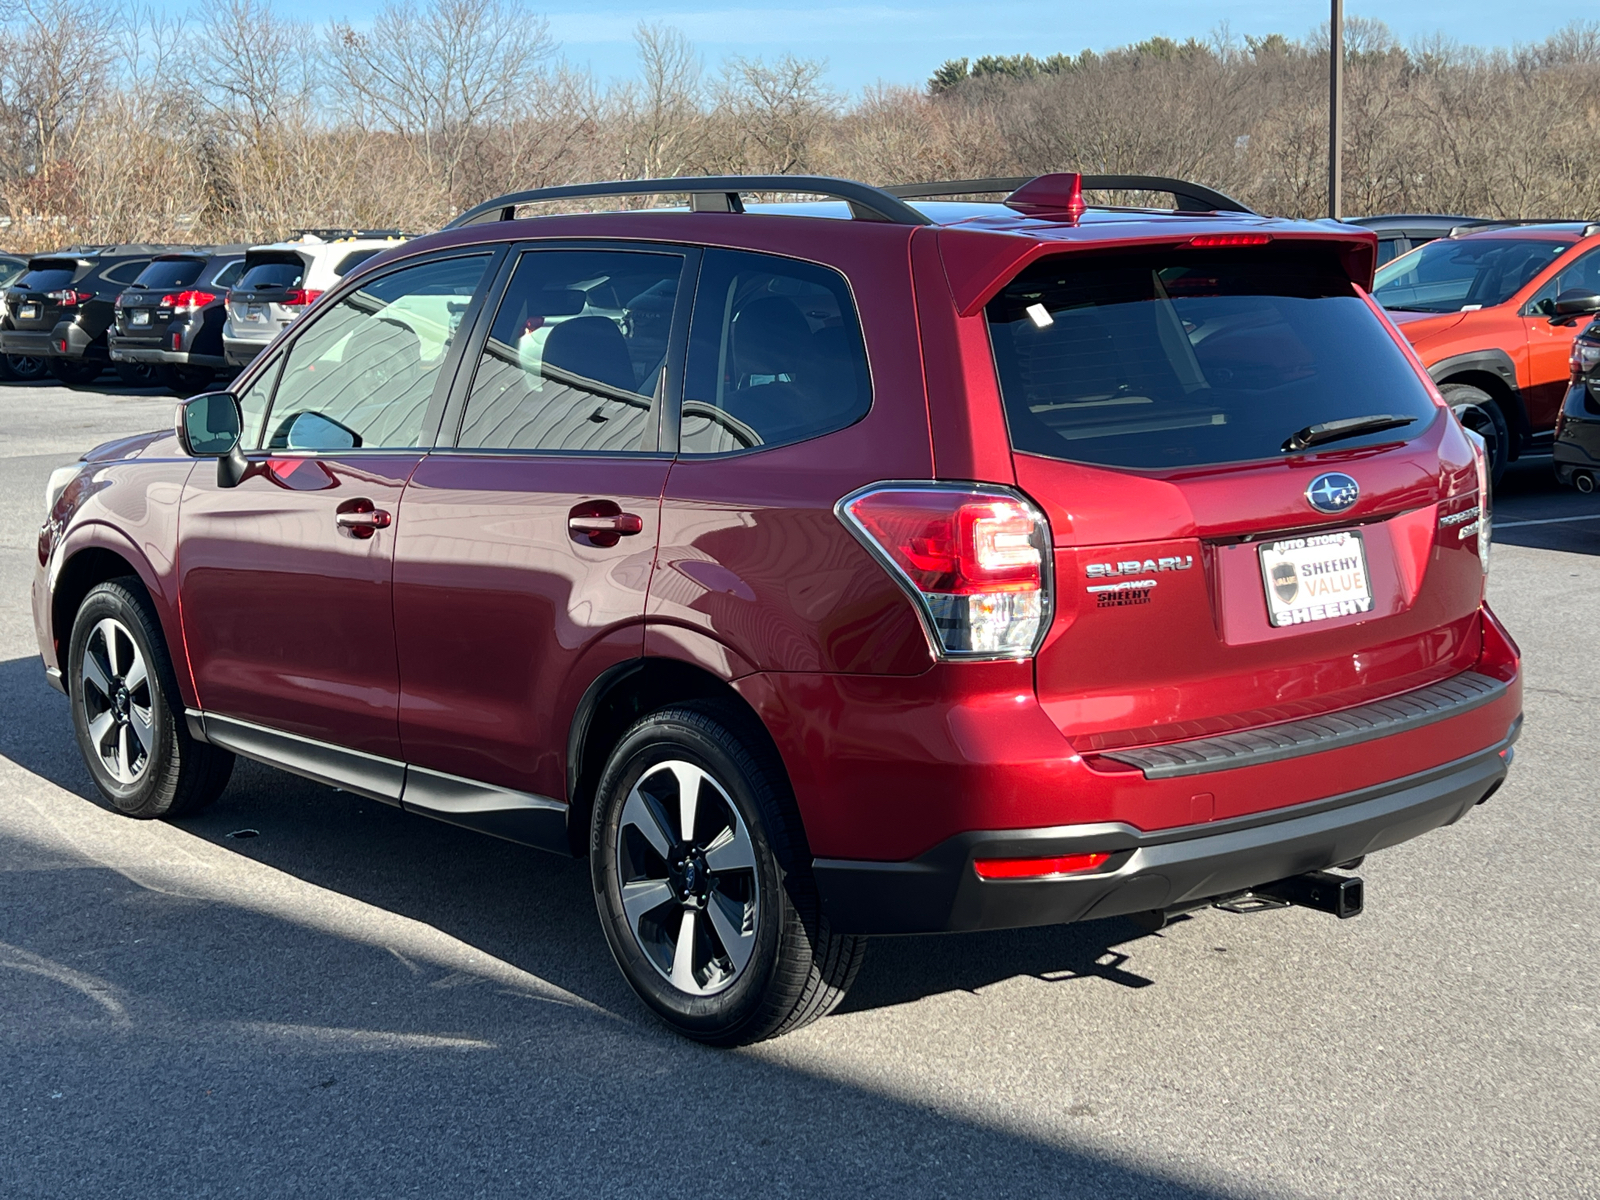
333	235
1191	197
709	193
1489	224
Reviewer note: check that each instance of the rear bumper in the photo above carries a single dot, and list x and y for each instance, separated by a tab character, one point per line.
940	891
122	352
241	352
32	343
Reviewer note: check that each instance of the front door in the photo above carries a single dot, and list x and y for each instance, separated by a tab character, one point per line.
1550	339
286	579
523	555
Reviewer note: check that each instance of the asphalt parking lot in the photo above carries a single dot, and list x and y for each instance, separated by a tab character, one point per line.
358	1002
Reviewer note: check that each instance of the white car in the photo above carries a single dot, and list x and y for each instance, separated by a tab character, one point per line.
282	280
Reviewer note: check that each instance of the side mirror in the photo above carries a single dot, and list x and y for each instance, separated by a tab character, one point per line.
1576	302
209	426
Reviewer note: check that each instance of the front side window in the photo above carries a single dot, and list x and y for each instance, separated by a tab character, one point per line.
1456	275
363	374
1190	358
775	355
576	355
1582	274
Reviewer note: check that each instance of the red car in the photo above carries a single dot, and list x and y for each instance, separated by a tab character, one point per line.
1493	316
818	570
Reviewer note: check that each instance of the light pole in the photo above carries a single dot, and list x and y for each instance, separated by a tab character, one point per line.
1335	107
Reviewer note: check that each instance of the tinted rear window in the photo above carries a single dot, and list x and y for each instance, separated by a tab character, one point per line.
170	273
1449	275
270	275
48	277
1191	358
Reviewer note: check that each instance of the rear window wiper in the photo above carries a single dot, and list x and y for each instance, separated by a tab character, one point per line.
1348	427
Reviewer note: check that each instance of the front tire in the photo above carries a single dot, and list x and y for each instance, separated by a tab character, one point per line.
1481	413
127	713
703	881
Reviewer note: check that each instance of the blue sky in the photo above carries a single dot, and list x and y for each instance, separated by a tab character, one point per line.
899	42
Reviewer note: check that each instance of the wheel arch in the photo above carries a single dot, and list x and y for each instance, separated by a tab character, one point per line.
1491	371
617	698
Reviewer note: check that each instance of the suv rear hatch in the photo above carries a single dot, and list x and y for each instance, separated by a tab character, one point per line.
46	292
1214	573
148	304
270	294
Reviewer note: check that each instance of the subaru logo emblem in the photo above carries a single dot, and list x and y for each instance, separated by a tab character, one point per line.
1333	492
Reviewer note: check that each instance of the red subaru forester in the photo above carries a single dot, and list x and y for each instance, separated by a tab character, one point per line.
819	569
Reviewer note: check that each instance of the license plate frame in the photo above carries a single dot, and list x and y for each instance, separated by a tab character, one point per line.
1316	578
255	312
140	316
28	312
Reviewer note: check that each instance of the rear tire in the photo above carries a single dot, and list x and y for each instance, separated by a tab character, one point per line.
23	368
183	380
135	374
1481	413
718	927
127	713
76	372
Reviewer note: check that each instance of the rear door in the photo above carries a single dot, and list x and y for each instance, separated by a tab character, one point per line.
286	578
524	553
1210	575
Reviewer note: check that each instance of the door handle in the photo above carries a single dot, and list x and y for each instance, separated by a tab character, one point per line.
361	519
626	524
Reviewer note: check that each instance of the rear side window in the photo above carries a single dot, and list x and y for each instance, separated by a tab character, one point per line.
574	358
268	276
48	277
170	273
229	275
775	355
125	273
1189	358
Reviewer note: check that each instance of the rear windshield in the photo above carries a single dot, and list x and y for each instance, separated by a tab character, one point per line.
269	275
1450	275
1192	358
48	277
170	273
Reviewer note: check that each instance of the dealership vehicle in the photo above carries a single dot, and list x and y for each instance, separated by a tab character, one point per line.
282	280
1493	315
1399	233
170	318
1577	434
17	366
61	308
874	564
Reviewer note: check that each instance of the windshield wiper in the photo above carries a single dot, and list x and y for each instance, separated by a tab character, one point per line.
1349	427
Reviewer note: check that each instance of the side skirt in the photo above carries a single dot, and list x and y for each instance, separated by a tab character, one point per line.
522	817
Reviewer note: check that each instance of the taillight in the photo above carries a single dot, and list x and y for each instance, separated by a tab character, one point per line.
975	559
299	297
1585	355
1480	461
1230	239
70	297
1037	868
187	300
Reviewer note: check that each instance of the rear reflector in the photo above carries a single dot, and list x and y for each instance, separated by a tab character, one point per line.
1231	239
975	559
1037	868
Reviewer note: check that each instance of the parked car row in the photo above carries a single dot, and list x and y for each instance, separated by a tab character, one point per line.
179	316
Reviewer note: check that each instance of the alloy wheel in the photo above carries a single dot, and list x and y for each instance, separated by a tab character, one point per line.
689	884
115	691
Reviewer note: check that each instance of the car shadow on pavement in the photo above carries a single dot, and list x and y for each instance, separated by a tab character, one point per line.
1533	510
287	1022
527	907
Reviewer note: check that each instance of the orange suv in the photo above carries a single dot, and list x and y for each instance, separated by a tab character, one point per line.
1493	316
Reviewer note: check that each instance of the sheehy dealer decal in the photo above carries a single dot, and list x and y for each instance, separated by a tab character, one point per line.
1316	578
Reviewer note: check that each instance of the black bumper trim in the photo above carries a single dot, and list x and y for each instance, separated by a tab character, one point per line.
31	343
940	892
1313	735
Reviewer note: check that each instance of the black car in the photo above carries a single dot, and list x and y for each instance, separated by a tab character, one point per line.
1399	233
61	307
16	366
171	317
1577	436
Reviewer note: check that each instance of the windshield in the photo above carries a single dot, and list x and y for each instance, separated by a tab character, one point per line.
170	273
1192	358
1456	275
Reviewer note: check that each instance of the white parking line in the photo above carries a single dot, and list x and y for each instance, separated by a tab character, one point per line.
1546	521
